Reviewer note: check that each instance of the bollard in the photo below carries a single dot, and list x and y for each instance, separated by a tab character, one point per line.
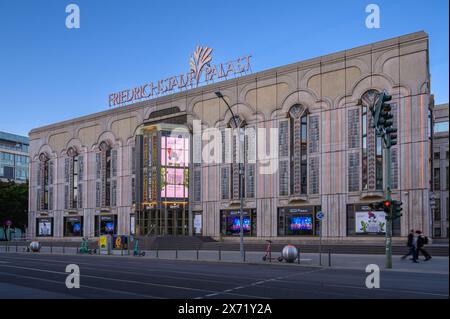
298	256
51	247
64	247
244	255
121	250
157	253
220	252
329	258
197	253
176	253
17	249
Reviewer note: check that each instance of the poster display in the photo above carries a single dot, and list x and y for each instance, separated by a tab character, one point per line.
44	227
370	222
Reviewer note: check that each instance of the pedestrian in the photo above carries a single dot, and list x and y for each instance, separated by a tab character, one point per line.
421	242
410	245
415	255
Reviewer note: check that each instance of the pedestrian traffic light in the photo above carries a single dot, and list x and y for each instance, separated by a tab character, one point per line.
396	209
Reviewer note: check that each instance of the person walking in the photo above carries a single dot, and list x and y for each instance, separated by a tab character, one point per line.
410	245
415	255
421	242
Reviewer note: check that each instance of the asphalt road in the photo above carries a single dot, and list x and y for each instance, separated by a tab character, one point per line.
44	276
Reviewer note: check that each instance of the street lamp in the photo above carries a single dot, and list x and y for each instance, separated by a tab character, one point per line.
241	182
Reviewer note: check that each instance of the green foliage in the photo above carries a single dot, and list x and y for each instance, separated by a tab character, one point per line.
14	204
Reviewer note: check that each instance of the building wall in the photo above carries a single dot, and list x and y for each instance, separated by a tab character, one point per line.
440	159
329	87
13	157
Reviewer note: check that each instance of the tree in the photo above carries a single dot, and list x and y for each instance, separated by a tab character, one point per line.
14	204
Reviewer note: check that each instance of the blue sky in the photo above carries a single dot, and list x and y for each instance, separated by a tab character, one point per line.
49	73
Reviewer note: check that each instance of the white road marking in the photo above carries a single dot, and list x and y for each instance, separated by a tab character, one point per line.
83	286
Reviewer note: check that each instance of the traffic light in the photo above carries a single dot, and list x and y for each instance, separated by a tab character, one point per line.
387	206
396	209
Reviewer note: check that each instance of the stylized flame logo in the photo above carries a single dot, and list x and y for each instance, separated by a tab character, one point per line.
200	58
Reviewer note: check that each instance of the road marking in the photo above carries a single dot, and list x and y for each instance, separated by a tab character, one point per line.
262	282
108	265
83	286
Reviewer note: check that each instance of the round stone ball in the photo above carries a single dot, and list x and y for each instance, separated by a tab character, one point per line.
35	246
289	253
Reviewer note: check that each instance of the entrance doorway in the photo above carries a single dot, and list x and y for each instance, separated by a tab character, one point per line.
171	219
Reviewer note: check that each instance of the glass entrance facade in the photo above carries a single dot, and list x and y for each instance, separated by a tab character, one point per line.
162	189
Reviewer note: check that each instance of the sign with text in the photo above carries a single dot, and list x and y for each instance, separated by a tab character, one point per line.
201	71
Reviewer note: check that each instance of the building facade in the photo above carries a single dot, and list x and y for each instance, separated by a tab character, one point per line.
13	157
130	169
440	162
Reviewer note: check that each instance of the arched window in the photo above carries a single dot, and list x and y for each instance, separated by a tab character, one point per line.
298	150
372	151
106	173
45	183
234	153
73	176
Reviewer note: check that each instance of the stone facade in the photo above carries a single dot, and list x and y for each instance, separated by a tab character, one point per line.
340	155
440	165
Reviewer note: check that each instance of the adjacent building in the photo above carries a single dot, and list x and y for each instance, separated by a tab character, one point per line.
440	161
13	157
130	170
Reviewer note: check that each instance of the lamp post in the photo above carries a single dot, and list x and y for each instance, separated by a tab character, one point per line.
241	183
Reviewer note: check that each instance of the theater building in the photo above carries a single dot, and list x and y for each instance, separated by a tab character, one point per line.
130	170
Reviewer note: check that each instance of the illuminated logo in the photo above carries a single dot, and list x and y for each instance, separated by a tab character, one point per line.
201	70
199	59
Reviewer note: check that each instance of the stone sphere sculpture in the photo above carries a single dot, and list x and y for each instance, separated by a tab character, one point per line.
35	246
289	253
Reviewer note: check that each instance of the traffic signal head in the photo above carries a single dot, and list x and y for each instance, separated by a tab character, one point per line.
387	205
396	209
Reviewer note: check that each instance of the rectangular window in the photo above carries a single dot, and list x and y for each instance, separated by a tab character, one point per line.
66	196
197	186
73	226
225	187
105	225
353	172
284	178
98	165
298	221
353	128
44	227
97	194
230	223
283	141
437	210
314	175
250	184
114	193
437	155
437	178
80	196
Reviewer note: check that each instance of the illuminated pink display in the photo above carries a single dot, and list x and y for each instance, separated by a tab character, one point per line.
174	163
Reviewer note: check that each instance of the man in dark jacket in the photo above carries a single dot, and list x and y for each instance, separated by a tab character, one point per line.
410	245
421	242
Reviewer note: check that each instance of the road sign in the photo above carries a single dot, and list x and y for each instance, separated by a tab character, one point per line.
320	215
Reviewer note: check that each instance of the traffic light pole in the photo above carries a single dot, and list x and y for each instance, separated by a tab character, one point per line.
388	195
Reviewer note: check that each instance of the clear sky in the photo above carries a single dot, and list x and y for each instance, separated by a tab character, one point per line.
49	73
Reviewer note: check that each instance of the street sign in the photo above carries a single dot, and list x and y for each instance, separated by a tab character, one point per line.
320	215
